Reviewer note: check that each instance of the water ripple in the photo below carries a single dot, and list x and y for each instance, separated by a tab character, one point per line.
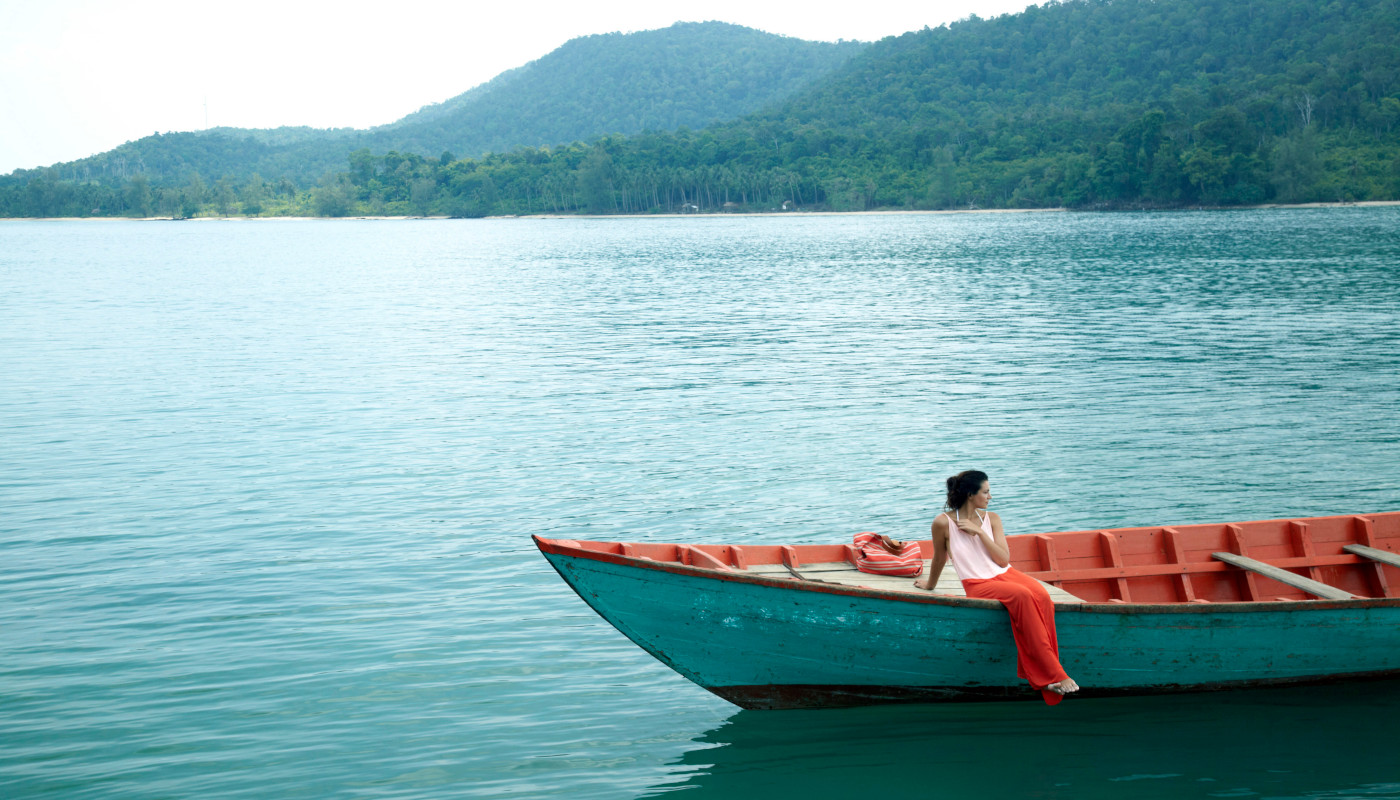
267	490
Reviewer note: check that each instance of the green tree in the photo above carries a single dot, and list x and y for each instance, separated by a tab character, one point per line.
138	196
335	197
1166	179
254	195
1206	170
362	166
595	181
1296	167
192	200
942	188
422	194
224	196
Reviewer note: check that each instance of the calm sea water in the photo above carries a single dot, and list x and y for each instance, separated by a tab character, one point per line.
266	488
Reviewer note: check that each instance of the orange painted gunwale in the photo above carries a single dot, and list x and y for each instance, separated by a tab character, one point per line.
1161	567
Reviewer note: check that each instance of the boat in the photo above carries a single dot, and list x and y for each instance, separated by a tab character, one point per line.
1138	611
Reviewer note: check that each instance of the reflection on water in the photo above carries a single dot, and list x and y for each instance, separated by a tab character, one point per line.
1331	741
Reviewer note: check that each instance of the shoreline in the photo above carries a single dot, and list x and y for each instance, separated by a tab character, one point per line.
723	214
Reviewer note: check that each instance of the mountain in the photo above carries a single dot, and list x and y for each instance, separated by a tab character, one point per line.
1081	103
690	74
1122	101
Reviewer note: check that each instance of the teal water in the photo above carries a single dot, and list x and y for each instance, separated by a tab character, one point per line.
266	488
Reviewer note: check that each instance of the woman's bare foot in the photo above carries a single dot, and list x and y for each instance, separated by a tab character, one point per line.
1066	686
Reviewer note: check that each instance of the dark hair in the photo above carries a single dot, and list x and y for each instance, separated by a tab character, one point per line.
964	485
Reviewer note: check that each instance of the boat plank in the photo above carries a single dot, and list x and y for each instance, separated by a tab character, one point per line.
1194	568
843	573
1285	577
1384	557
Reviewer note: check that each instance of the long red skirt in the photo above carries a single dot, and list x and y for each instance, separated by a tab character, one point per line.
1032	625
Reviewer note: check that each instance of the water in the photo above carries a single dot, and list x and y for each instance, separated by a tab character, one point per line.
266	488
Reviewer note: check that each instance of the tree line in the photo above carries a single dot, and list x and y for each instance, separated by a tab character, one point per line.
1083	104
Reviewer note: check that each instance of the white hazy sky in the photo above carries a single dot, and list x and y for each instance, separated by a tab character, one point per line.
78	77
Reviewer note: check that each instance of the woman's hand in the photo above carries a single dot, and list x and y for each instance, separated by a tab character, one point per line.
970	526
993	540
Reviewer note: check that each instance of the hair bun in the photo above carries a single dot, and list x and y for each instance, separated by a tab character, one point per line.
963	485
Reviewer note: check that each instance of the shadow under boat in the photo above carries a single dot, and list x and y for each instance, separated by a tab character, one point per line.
1326	741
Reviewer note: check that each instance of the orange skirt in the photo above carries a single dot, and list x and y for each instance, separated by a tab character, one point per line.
1032	625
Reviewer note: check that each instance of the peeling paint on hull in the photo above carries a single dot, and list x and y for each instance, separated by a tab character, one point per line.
768	643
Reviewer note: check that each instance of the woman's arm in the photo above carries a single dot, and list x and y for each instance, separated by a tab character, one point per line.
997	547
939	531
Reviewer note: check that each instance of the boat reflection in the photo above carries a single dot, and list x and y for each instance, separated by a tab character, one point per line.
1329	741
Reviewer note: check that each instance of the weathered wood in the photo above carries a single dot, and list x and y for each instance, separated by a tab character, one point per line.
800	576
1234	534
790	556
1111	554
1366	535
1365	531
1284	576
1046	546
852	555
1152	570
1383	556
695	557
1303	545
1172	545
815	567
842	573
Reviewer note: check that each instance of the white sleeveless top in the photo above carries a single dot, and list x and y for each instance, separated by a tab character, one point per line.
969	556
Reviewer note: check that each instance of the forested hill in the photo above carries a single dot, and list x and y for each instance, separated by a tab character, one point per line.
690	74
1085	103
1112	101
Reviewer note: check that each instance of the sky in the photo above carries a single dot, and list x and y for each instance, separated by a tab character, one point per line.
79	77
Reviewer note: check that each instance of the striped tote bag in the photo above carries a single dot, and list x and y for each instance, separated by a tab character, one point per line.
873	555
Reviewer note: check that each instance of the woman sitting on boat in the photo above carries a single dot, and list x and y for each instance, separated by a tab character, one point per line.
973	537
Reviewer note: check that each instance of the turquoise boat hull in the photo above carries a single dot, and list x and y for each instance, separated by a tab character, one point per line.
764	642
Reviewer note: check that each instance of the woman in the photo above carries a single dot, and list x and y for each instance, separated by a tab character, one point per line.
973	537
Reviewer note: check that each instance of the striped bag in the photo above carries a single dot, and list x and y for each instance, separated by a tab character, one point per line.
876	556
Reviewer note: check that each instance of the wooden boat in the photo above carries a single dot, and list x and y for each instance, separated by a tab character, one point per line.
1138	611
